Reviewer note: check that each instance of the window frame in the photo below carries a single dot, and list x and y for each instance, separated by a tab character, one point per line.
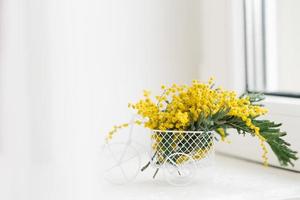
255	48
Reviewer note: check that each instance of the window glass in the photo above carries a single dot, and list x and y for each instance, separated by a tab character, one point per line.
273	45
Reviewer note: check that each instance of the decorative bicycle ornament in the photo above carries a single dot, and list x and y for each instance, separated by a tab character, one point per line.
177	153
183	120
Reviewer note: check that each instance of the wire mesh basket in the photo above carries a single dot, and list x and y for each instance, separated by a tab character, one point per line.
182	147
180	153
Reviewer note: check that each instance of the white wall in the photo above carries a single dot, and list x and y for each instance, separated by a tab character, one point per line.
221	43
68	69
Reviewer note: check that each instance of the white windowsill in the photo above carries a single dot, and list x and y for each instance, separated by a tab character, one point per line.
234	179
283	105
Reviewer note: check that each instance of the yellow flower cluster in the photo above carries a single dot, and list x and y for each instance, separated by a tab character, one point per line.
182	159
178	106
114	130
202	152
156	140
198	155
222	133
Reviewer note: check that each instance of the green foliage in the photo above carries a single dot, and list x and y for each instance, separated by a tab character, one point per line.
268	129
254	96
271	132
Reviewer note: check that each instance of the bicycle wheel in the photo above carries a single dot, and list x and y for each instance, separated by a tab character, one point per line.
178	172
121	163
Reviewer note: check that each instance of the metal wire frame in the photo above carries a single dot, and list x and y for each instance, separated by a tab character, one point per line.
197	146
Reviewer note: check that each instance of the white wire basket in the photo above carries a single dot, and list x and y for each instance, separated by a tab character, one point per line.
180	153
179	147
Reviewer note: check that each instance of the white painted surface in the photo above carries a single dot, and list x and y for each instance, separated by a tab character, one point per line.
233	179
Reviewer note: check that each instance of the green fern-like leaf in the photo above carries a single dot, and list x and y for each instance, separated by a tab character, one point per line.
271	132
